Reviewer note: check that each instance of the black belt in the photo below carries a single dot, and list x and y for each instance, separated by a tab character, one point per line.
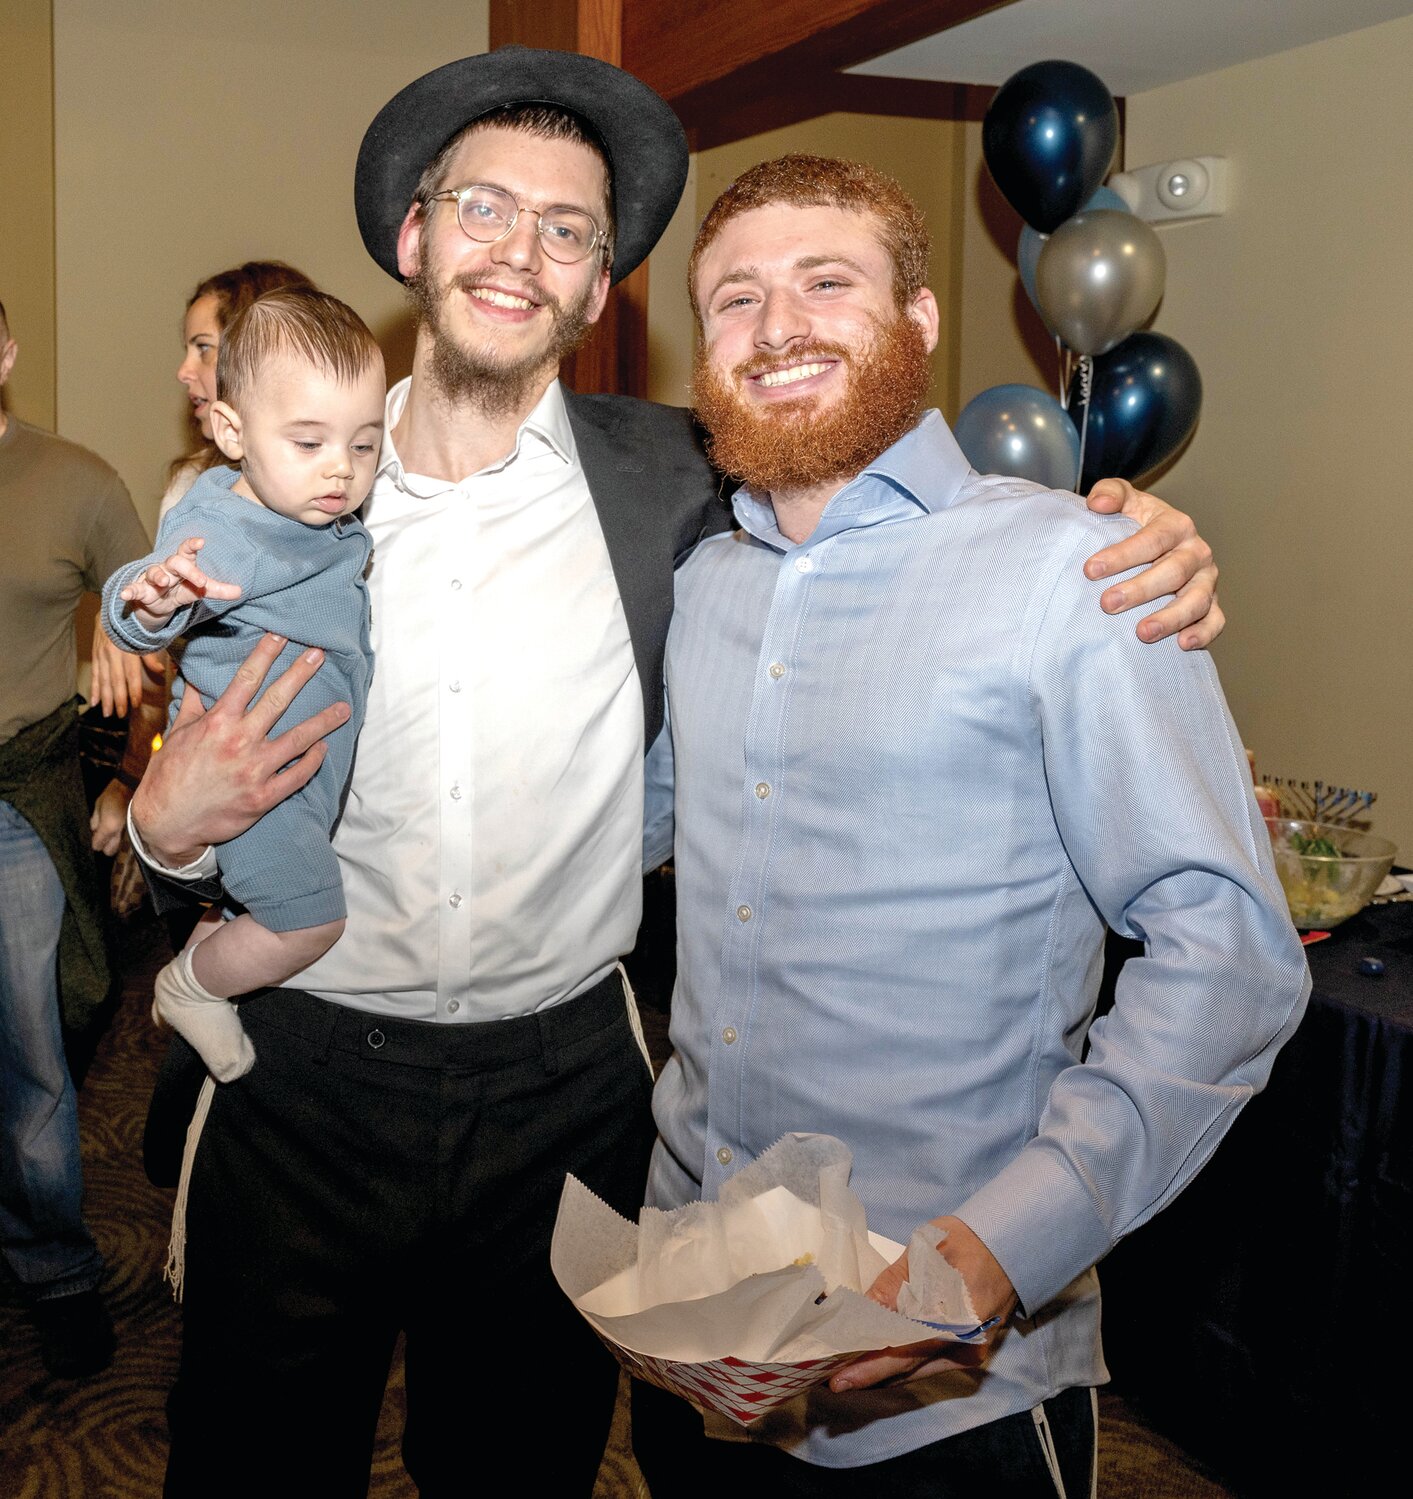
425	1043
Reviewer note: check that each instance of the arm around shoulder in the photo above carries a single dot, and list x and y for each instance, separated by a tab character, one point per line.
1181	565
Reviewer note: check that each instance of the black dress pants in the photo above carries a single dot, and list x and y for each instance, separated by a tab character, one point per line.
1017	1457
370	1176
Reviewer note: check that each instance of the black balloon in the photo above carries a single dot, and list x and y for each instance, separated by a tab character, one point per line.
1144	402
1048	138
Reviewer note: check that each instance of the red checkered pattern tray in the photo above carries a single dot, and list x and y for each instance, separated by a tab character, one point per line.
742	1391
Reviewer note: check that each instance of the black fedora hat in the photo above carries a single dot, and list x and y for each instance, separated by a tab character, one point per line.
644	140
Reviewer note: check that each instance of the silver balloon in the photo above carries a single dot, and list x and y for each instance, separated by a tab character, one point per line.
1020	431
1098	279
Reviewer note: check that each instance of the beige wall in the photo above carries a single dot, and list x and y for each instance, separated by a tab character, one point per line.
924	155
188	139
27	210
1000	336
1297	308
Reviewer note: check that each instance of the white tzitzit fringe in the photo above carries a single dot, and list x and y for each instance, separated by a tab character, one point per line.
174	1271
635	1020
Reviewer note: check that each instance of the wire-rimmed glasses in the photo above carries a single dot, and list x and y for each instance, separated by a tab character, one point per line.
487	214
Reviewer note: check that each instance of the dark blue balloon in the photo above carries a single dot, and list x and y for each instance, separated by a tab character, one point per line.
1144	402
1048	138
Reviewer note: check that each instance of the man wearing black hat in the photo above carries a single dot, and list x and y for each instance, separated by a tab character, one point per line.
394	1159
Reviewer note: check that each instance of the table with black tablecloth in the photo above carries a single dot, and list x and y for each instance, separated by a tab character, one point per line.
1262	1320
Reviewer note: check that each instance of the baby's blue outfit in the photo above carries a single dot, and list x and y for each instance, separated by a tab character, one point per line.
303	582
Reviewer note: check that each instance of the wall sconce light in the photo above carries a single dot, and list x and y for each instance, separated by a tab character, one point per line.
1195	187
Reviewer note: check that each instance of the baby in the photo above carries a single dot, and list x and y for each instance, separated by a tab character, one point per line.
300	393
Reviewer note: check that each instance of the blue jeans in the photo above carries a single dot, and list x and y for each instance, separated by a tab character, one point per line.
42	1233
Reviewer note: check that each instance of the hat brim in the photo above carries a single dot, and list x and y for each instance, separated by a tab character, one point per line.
646	145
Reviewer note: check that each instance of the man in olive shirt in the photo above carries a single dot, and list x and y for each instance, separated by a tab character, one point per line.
66	522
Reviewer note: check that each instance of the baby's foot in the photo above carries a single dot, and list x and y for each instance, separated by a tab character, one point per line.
210	1023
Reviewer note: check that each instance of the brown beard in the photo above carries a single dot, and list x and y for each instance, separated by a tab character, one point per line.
478	375
790	445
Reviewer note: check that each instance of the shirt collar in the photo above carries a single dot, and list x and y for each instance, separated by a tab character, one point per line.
923	471
547	426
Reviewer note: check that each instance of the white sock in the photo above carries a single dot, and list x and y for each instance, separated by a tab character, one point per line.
207	1021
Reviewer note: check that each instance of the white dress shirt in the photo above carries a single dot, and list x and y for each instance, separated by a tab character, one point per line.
491	837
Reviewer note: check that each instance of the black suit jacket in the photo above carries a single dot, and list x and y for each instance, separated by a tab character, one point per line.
656	497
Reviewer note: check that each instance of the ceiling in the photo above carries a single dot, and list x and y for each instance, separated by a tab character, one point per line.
1132	45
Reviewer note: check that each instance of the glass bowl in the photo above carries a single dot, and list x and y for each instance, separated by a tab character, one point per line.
1328	873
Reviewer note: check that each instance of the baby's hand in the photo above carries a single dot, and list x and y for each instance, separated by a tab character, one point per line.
167	586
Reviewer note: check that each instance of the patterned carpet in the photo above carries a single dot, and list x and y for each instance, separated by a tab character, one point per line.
105	1438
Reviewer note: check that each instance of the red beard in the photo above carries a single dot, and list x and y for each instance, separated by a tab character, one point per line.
791	444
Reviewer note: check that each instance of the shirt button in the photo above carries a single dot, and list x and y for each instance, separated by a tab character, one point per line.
762	789
456	793
453	686
724	1156
455	584
777	669
454	899
453	1006
729	1034
804	564
743	913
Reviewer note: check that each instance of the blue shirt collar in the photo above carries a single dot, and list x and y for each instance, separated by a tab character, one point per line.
923	471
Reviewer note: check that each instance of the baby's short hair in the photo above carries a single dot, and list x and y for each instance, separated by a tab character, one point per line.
299	322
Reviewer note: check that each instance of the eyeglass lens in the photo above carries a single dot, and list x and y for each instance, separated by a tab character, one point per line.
486	214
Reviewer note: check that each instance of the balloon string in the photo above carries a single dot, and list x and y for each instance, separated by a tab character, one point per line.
1086	381
1064	384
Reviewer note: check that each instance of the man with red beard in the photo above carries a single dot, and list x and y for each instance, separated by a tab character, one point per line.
394	1158
917	771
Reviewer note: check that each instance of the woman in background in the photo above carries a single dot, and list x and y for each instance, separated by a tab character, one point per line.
211	309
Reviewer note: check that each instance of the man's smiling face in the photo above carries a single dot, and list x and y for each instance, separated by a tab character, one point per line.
808	369
500	316
781	280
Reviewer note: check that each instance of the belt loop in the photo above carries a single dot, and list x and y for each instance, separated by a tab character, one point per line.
549	1049
329	1016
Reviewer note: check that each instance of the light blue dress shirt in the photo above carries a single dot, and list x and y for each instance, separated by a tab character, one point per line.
917	771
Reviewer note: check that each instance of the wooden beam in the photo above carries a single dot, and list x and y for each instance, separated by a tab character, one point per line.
601	29
706	58
593	27
535	23
841	93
